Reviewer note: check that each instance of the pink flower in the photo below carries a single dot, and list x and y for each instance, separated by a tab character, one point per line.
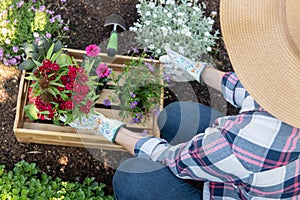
102	71
92	50
84	89
77	87
83	78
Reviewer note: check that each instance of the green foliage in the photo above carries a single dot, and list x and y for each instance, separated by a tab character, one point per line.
26	21
38	50
179	24
26	182
139	89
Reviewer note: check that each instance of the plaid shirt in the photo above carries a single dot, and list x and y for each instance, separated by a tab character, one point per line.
248	156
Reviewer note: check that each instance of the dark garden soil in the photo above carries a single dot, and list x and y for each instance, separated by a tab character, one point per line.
86	19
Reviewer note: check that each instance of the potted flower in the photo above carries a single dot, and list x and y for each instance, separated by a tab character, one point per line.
62	87
139	89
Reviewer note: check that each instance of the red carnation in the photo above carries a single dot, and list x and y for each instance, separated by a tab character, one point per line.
55	67
69	86
69	105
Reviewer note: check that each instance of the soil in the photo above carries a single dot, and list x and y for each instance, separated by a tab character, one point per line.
86	18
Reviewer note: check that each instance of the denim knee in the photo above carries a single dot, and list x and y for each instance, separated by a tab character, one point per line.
128	179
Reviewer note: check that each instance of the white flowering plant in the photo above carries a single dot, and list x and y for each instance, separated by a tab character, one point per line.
180	25
26	22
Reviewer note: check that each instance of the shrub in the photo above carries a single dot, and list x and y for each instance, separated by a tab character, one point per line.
26	181
180	25
26	21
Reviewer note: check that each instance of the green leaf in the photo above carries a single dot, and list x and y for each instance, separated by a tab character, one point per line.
50	51
55	55
26	65
31	111
43	46
56	84
52	92
57	46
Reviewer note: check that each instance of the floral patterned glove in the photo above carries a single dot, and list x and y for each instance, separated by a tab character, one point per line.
100	124
184	69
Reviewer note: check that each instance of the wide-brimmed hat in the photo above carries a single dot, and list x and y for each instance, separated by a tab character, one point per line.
262	38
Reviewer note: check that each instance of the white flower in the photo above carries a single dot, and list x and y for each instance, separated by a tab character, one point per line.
165	11
169	15
138	6
36	35
148	22
213	13
177	44
189	4
207	34
146	40
154	15
158	51
164	30
181	50
210	21
151	5
208	49
7	41
151	46
148	13
132	28
188	34
4	31
196	9
137	24
180	14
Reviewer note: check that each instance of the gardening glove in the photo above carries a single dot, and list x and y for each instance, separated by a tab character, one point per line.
99	124
180	68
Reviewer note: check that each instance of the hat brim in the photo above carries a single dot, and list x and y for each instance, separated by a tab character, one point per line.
263	54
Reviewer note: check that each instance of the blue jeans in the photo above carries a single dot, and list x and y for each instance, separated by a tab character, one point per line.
141	179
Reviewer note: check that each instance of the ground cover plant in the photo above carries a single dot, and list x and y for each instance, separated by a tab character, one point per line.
26	181
180	25
24	22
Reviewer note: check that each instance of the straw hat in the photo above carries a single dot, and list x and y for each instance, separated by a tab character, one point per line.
263	41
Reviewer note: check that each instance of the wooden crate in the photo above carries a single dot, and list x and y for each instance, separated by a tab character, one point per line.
44	133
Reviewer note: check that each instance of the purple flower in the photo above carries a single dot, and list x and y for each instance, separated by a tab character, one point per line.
33	1
66	28
133	95
33	8
50	12
48	35
106	102
1	51
12	61
135	50
137	119
133	104
15	49
20	4
42	8
63	1
57	17
150	67
52	20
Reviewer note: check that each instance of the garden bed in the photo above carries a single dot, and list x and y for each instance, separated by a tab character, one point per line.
47	133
